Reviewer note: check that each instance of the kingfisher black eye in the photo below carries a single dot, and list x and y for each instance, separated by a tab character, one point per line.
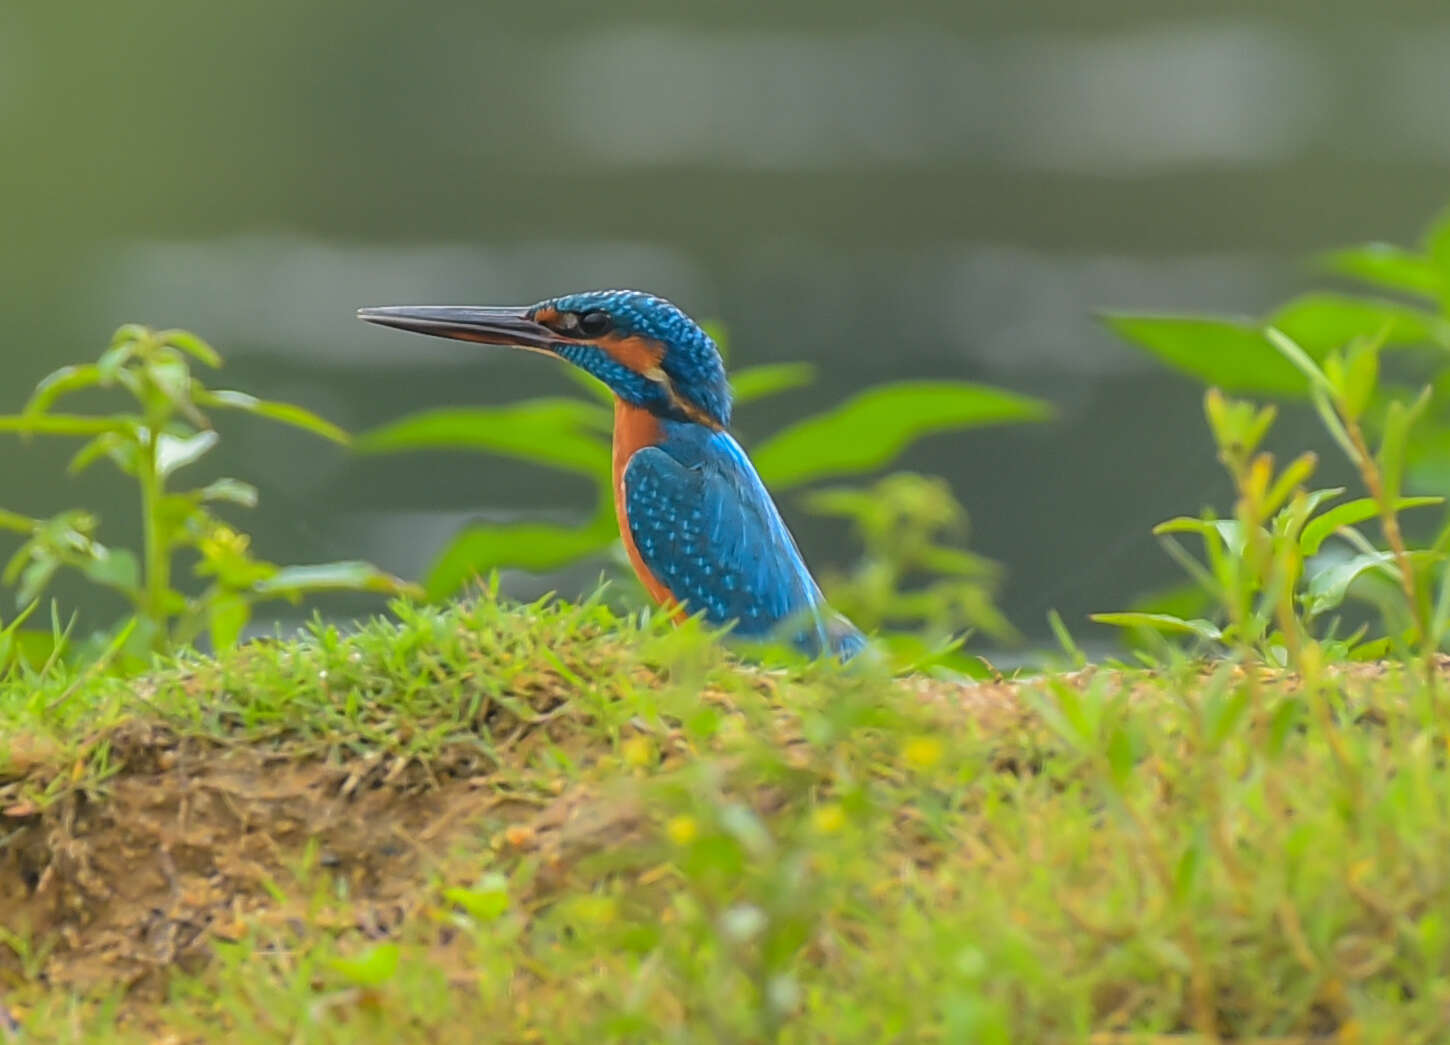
595	324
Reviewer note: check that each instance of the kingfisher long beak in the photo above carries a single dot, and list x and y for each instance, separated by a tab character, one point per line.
490	326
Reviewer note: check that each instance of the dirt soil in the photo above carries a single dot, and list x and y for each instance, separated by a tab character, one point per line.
182	850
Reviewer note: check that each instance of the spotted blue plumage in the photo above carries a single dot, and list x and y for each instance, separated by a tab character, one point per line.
622	381
706	527
691	359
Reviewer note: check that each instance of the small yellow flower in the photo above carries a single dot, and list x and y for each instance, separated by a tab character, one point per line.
827	820
224	542
638	751
682	830
923	752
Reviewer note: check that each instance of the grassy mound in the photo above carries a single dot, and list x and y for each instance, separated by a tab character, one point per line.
542	823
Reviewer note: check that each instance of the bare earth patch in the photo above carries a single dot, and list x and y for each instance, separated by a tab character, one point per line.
189	838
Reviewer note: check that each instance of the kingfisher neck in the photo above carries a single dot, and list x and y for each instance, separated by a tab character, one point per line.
634	428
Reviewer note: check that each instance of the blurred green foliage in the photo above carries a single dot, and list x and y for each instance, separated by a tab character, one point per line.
162	431
1270	571
1374	368
859	436
1412	323
913	583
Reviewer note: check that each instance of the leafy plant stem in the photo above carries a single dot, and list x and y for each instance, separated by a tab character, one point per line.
1389	522
167	433
1390	525
158	561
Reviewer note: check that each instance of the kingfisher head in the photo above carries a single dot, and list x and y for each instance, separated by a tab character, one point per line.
644	348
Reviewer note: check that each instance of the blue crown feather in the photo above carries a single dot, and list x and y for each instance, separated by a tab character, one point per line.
691	360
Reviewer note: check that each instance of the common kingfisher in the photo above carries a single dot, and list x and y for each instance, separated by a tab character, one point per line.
697	523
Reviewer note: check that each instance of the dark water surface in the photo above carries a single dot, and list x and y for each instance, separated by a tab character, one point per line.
945	191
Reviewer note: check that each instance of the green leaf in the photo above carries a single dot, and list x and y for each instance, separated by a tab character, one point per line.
127	335
192	346
233	490
872	428
173	453
372	968
1321	391
536	547
59	382
1230	353
485	902
1320	527
1359	380
33	578
34	646
10	642
292	581
1289	481
1291	519
1314	498
1238	426
285	413
115	568
227	614
1329	586
172	376
1160	622
1228	530
759	382
121	447
64	424
1323	322
560	433
1300	360
1387	266
1399	419
17	523
1190	865
114	359
1122	755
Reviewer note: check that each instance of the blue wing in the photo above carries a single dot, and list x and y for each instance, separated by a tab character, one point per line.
708	530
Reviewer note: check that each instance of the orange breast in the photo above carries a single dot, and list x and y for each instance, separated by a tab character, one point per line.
635	428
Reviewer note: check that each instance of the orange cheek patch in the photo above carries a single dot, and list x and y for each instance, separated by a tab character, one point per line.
640	354
547	316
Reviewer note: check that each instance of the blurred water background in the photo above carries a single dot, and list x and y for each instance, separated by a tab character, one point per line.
925	190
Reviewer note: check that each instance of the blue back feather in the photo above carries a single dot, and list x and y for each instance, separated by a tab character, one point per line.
706	527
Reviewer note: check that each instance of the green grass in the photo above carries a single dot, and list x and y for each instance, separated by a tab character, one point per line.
544	823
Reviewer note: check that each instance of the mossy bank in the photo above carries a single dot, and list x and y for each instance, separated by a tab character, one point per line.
544	823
